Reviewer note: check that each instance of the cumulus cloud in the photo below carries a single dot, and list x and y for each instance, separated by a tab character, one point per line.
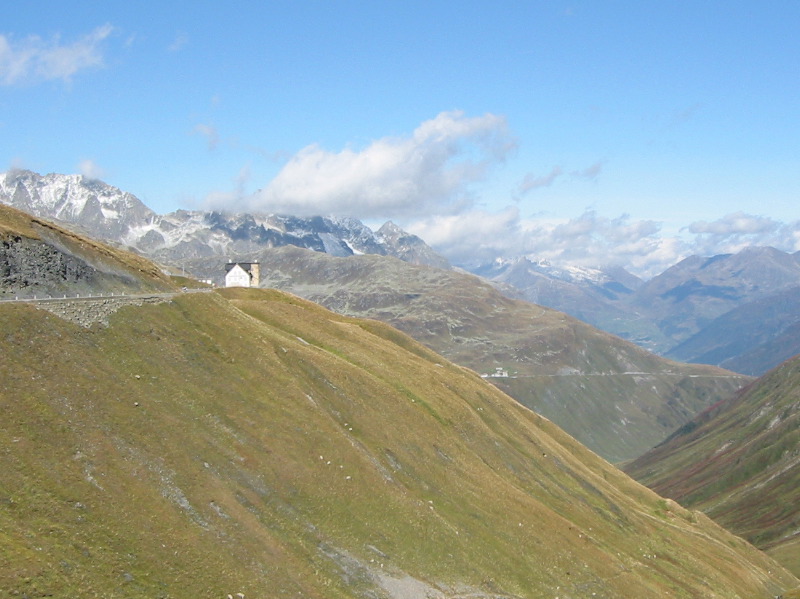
34	59
477	237
472	237
426	172
90	169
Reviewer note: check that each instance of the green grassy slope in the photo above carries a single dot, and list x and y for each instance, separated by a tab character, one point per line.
740	463
613	396
250	442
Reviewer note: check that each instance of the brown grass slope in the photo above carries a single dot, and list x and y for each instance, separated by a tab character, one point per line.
251	442
40	258
739	462
613	396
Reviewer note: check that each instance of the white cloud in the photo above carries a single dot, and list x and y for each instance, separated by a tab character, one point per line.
737	223
473	236
90	169
590	173
738	230
180	41
225	200
427	172
33	59
209	132
531	182
588	240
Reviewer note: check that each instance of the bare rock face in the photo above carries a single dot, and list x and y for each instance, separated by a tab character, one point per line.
39	258
32	266
409	248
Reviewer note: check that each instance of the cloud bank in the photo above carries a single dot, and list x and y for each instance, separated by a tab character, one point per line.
427	172
423	181
476	237
738	230
33	59
589	240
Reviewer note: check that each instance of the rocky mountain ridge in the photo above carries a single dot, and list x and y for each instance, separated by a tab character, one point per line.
40	258
108	213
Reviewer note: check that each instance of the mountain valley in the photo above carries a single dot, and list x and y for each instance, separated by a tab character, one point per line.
739	462
614	397
247	442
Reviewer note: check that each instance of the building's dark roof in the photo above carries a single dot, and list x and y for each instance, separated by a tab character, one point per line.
246	266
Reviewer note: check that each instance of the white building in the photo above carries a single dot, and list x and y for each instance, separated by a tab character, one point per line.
242	274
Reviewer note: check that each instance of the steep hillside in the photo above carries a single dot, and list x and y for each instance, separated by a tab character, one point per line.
40	258
740	463
250	442
611	395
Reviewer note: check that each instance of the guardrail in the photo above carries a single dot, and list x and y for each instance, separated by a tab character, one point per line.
91	296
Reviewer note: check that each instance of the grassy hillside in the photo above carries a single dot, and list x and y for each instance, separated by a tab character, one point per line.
250	442
740	463
613	396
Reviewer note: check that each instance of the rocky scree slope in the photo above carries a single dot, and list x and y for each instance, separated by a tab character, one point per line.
248	441
613	396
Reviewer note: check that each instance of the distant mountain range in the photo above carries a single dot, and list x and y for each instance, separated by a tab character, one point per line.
737	311
739	462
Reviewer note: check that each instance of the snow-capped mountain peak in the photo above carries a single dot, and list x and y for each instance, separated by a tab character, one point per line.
109	213
91	204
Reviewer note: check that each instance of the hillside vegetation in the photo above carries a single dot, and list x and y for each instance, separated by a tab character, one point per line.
739	462
248	441
613	396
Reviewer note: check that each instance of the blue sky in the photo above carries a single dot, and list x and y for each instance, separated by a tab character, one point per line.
590	132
